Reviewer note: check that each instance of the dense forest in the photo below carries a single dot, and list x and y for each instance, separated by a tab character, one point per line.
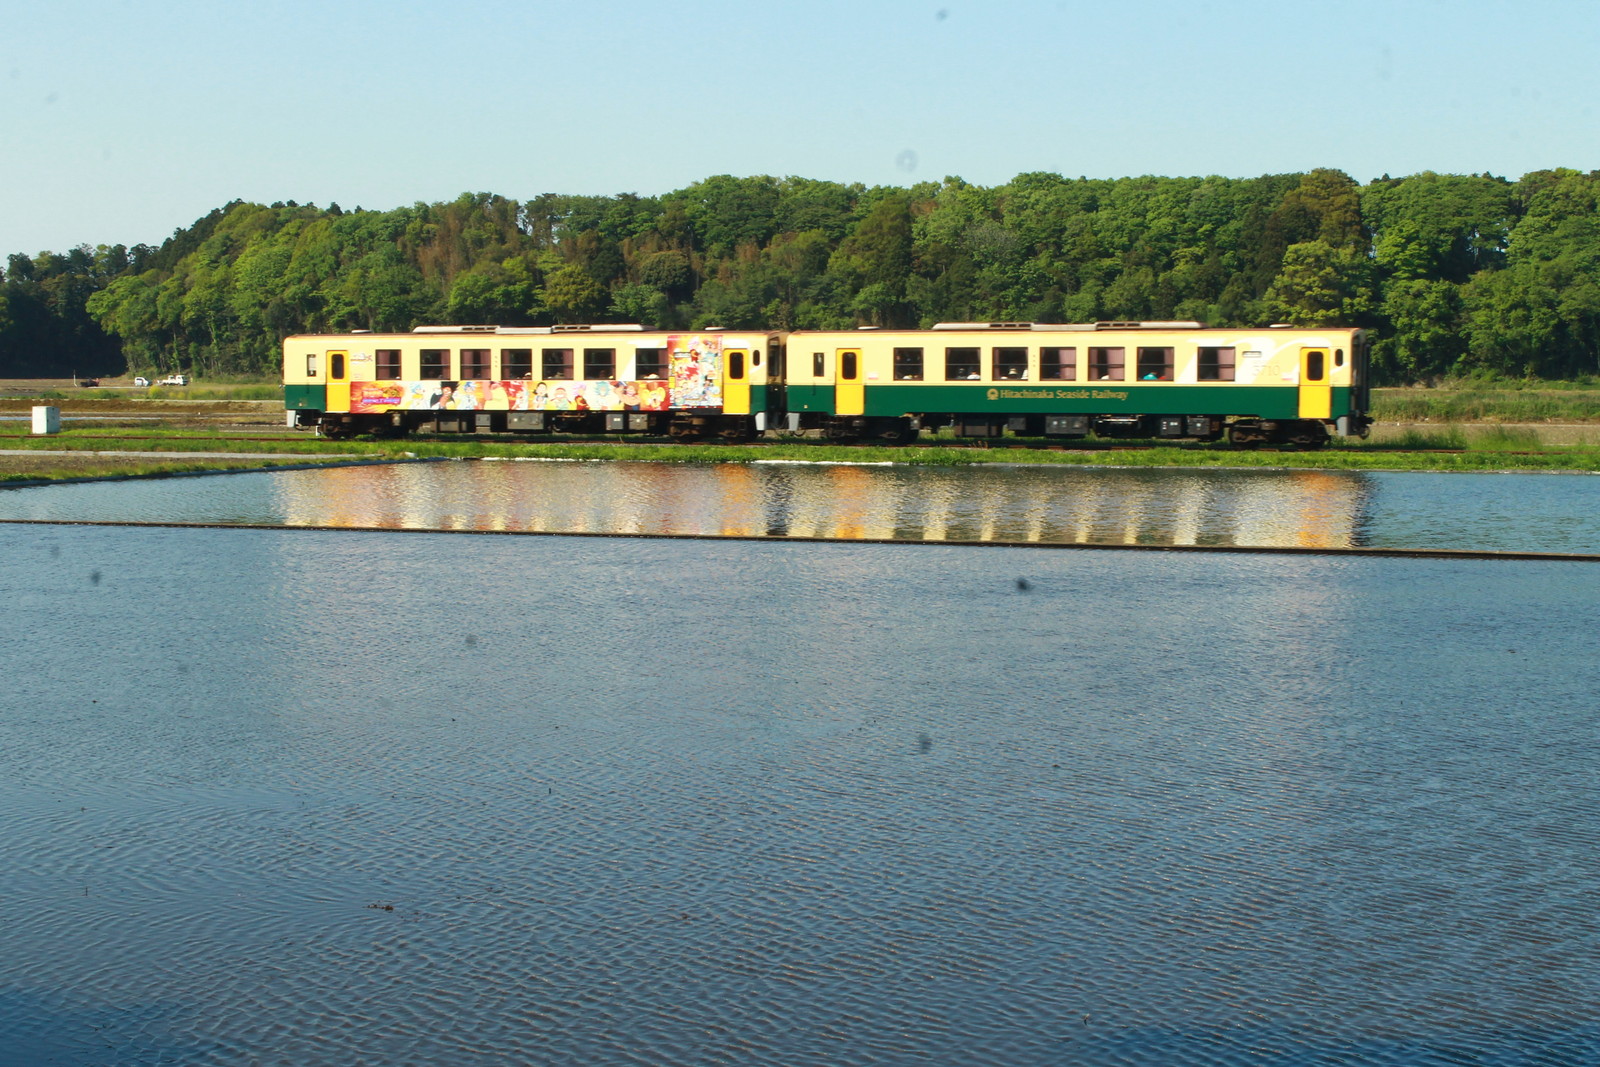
1457	274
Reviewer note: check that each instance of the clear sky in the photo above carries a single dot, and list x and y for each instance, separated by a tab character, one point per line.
121	121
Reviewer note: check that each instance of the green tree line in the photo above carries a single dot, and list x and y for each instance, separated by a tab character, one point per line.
1457	274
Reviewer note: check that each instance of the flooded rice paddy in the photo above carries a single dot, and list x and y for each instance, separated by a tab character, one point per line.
1049	504
290	796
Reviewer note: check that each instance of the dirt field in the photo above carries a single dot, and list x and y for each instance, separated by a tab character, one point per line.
26	386
18	397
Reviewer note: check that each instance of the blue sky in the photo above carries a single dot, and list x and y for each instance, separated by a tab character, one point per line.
122	121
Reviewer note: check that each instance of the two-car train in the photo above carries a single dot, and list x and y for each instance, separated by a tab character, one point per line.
1273	385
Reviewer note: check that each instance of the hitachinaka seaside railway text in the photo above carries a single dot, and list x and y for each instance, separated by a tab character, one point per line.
1180	380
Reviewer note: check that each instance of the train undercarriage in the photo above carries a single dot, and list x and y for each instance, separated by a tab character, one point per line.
700	425
678	425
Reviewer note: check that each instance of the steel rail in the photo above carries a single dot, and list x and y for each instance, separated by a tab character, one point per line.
1272	550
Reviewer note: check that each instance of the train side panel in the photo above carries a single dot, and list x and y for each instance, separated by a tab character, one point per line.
579	379
1172	380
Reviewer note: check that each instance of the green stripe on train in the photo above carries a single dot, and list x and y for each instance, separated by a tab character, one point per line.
812	398
1121	398
305	397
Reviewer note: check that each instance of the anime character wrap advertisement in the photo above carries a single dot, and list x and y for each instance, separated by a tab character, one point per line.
369	397
599	396
695	369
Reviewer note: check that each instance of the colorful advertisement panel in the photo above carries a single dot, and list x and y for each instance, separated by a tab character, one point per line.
695	369
599	396
516	395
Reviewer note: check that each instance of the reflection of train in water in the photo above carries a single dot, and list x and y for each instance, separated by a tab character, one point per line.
1007	503
1277	385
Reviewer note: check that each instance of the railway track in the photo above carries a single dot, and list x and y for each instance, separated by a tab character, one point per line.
983	446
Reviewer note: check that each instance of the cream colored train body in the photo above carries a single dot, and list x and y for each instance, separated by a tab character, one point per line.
1277	385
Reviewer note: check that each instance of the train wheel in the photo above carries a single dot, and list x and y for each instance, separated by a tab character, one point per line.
899	432
1245	437
1308	435
336	431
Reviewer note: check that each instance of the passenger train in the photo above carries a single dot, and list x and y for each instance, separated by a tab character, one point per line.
1176	380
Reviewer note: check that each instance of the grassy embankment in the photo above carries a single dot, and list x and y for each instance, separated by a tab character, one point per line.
1459	428
1491	402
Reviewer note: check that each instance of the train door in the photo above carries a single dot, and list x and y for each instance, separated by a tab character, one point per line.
736	382
849	395
1316	395
338	381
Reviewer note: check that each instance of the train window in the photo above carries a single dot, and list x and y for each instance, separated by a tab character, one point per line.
736	365
1338	357
311	364
599	363
557	364
908	364
1108	364
475	364
779	356
962	364
819	365
847	366
650	363
1215	365
336	366
516	363
1316	368
1058	364
755	358
386	365
436	363
1009	363
1155	364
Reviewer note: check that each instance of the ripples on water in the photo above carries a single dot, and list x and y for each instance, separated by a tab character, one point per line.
1309	509
698	802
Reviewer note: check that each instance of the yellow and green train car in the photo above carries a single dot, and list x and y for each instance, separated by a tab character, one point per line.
1131	379
498	379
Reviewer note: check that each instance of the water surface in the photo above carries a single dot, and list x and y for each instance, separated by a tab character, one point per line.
302	796
1295	508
